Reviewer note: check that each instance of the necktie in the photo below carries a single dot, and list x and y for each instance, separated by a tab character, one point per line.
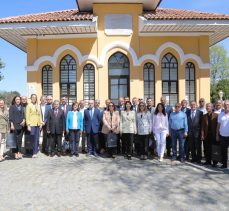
192	115
56	112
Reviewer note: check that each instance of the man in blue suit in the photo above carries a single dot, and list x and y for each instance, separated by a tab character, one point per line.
92	119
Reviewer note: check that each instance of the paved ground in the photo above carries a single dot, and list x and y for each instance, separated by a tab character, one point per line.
104	184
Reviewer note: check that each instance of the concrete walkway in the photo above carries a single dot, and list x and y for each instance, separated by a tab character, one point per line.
84	183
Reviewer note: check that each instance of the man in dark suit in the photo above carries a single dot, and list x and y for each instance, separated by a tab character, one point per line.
92	118
208	132
194	126
45	106
55	127
168	110
186	110
64	106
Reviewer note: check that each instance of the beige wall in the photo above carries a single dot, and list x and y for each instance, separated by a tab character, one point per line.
197	45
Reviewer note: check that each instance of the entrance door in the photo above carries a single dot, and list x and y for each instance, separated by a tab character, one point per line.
118	66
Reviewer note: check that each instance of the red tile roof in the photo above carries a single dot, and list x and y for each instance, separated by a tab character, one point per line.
178	14
65	15
75	15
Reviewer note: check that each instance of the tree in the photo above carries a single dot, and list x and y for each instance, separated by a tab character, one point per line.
2	65
8	96
219	63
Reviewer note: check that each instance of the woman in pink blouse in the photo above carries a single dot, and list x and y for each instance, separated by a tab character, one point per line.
160	129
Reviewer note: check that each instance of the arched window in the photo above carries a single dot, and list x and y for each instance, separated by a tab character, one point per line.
190	81
169	68
118	66
68	78
89	82
47	80
149	81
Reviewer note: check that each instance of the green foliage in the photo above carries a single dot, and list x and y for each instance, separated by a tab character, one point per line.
219	63
221	85
2	65
8	96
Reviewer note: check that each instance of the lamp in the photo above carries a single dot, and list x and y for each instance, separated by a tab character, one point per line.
221	93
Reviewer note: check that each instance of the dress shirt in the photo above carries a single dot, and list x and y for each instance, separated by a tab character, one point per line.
75	120
178	121
43	112
160	123
223	120
203	110
82	111
193	114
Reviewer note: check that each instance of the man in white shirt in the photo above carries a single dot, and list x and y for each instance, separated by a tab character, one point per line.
82	108
223	132
218	107
202	106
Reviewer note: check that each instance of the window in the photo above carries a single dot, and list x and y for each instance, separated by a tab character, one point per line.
169	68
47	80
68	78
89	82
118	66
190	81
149	81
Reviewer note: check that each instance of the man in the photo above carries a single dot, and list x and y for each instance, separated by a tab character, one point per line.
44	112
24	102
64	106
121	104
223	133
135	104
91	124
168	110
218	107
202	106
141	99
126	99
186	110
151	109
208	132
178	130
194	126
82	108
56	128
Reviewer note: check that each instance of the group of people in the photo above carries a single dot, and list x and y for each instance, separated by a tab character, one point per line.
131	127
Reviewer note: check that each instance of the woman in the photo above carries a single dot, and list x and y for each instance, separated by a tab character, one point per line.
4	119
111	122
34	122
17	122
74	126
160	129
128	129
144	126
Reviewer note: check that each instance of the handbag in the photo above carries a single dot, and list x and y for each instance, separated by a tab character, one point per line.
11	141
216	153
66	145
112	140
29	141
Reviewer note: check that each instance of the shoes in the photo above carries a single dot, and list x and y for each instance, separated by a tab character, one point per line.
174	158
223	167
129	157
145	157
96	155
77	155
142	157
207	163
161	159
182	160
58	154
113	156
34	156
214	165
84	152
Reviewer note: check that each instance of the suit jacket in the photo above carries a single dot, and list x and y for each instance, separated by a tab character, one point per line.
68	108
204	125
194	126
110	123
168	110
128	122
187	111
16	116
92	124
56	124
4	121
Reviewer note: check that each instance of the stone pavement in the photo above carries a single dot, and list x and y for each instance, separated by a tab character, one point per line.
84	183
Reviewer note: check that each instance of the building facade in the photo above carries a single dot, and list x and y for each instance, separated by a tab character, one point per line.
111	49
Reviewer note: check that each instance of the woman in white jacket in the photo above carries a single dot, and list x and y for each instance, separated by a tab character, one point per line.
160	129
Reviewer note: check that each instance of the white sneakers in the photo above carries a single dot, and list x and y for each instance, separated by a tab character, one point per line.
161	159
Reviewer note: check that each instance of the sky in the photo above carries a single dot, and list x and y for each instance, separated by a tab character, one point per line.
15	60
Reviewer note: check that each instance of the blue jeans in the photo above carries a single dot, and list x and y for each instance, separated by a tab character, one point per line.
178	134
35	130
74	141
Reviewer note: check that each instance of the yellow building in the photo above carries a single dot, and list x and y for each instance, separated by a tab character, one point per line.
109	49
